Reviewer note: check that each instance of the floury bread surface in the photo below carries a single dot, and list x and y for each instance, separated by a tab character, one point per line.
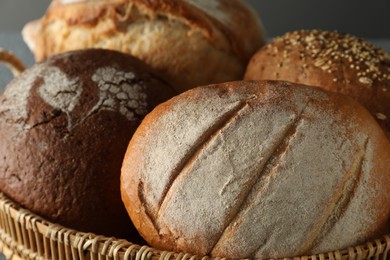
193	42
258	169
64	129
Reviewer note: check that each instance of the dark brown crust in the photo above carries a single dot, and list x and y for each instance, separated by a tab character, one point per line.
75	180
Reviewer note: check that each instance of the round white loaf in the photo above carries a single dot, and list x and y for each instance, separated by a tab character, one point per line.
258	169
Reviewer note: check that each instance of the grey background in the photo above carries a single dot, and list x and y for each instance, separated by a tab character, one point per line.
360	17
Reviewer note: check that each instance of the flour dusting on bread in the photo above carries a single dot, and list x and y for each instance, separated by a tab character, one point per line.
118	90
59	90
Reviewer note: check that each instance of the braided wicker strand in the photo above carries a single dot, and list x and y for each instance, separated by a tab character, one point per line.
24	235
12	62
62	243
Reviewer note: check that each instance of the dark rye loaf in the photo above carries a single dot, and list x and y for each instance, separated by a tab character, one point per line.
64	128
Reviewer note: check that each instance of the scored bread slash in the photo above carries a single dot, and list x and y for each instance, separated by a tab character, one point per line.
258	169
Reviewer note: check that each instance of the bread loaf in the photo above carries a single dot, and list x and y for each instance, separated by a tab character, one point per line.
334	61
64	128
179	38
258	169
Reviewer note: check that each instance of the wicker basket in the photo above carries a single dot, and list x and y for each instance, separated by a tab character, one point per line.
11	61
24	235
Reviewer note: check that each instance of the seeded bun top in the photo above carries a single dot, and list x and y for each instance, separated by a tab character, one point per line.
334	61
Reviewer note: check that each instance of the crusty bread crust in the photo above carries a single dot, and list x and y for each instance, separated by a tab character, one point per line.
332	61
64	128
178	38
258	169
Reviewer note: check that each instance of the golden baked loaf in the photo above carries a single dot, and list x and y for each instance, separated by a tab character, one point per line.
193	42
330	60
64	129
258	169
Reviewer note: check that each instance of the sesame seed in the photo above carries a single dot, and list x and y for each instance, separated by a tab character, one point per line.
365	80
381	116
309	38
319	63
327	48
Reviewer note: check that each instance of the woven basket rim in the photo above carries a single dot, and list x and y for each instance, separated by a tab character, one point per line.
14	64
18	225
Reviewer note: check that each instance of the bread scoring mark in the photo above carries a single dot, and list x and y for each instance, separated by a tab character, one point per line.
147	210
338	203
60	91
118	92
267	170
200	145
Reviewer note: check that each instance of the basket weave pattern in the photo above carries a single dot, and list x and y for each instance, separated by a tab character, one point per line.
11	61
23	235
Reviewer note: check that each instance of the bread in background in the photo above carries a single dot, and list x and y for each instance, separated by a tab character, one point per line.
258	170
64	128
193	42
330	60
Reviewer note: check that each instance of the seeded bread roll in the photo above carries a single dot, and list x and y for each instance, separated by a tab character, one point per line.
258	170
176	37
330	60
64	128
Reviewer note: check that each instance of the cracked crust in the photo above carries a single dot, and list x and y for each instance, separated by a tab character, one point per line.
63	145
176	37
299	171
